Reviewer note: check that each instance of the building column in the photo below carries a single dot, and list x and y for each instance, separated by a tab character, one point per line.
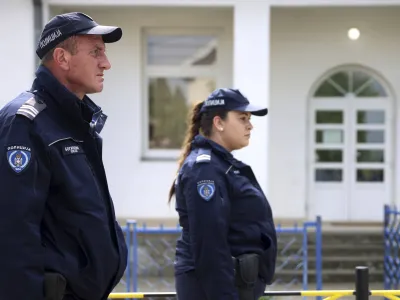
251	51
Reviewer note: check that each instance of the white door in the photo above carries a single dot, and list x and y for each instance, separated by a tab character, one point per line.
370	161
350	157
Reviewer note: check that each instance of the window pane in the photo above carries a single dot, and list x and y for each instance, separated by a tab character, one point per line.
370	156
370	175
342	79
181	50
328	175
329	117
359	79
373	89
328	156
370	136
370	117
169	102
327	90
329	136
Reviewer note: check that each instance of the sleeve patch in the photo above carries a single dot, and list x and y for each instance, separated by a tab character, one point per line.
18	158
206	189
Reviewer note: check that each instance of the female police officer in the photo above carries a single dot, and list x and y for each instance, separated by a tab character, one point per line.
227	249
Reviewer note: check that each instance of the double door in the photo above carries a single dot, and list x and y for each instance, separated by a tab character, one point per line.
350	158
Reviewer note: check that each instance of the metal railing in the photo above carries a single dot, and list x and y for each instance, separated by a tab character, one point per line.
392	248
152	249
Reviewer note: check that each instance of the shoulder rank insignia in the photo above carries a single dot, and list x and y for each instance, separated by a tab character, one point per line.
31	108
203	156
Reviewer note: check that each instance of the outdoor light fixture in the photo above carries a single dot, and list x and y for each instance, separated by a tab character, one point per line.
353	34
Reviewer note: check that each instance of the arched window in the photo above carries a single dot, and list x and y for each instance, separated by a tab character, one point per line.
354	82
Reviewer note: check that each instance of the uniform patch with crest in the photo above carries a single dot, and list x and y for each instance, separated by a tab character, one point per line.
206	189
18	157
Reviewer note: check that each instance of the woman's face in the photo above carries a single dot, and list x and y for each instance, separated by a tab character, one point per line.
235	133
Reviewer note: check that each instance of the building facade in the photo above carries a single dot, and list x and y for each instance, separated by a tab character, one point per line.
329	145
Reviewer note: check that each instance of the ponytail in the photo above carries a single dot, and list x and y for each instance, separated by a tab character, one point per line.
193	129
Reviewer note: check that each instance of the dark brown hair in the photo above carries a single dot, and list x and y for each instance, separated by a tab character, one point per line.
197	123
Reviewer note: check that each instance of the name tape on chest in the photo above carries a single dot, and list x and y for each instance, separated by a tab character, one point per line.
69	150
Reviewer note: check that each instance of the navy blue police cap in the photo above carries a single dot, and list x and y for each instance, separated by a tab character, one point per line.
66	25
231	99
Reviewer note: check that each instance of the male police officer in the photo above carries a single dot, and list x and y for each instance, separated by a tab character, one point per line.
57	221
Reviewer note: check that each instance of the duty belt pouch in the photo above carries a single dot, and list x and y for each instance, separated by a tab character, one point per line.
54	286
246	275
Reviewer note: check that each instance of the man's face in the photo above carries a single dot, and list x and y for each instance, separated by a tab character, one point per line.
87	66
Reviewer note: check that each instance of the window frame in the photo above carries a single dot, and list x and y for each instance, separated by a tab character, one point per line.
170	71
38	7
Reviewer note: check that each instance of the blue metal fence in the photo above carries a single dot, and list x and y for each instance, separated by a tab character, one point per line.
152	250
392	246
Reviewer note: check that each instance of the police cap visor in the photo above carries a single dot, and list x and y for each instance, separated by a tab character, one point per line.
110	34
253	109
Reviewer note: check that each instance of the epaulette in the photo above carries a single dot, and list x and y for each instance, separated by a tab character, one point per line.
203	156
31	108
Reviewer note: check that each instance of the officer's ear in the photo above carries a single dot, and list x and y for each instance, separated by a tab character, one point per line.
218	123
62	58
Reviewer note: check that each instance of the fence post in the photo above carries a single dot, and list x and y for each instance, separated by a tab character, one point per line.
386	240
135	257
305	257
128	267
318	255
362	285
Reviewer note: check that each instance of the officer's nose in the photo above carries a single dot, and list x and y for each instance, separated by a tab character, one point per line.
105	63
250	126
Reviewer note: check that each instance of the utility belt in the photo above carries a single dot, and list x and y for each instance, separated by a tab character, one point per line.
247	268
55	285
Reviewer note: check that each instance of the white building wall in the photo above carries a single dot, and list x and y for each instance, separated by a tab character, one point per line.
140	187
17	50
306	43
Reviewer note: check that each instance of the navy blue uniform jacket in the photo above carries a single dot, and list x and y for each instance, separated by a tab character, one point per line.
223	213
56	213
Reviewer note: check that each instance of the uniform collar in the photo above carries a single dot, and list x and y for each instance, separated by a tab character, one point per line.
200	141
84	114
